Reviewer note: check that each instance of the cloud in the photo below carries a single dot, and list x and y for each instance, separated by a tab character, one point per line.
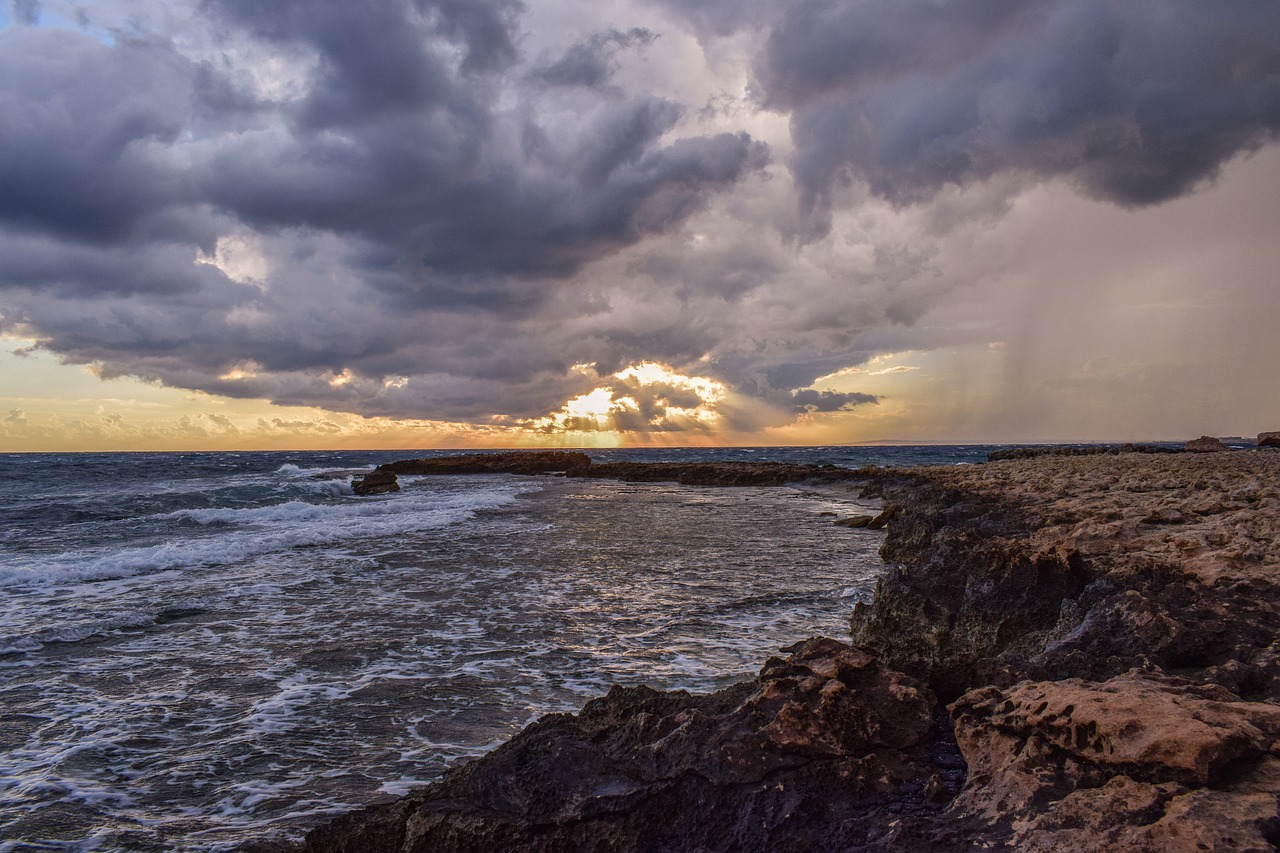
1134	103
829	401
411	201
591	63
430	209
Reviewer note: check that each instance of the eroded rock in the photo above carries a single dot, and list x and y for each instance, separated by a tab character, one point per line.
376	482
1138	762
800	758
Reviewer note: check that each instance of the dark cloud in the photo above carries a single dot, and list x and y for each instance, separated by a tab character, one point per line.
1136	103
404	225
591	63
26	11
419	209
829	401
85	141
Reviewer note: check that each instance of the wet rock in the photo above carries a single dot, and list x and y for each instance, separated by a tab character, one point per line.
376	482
512	462
887	515
855	521
804	757
716	473
576	464
175	614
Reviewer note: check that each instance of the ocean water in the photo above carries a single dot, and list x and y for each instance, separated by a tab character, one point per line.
199	649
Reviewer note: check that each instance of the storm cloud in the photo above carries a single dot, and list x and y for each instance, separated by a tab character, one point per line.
1135	103
432	209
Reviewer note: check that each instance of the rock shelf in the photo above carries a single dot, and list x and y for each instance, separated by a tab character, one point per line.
1066	652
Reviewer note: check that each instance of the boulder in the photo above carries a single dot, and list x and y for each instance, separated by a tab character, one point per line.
1204	444
855	521
376	482
1269	439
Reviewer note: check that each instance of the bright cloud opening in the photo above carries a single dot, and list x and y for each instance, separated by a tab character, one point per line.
643	398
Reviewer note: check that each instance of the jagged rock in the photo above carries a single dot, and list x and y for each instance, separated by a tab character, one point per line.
376	482
1204	444
1137	763
882	520
798	759
1269	439
872	522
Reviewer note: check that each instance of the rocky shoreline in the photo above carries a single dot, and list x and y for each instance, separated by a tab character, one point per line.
1071	651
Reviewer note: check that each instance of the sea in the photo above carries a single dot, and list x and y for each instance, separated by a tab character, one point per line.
200	649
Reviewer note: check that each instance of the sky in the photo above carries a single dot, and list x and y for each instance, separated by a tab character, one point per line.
229	224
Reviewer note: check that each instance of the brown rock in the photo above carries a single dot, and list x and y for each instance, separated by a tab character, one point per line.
376	482
1269	439
882	520
1135	763
856	521
1204	444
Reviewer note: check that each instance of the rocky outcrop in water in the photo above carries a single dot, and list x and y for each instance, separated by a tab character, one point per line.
1080	450
508	462
376	482
1269	439
716	473
1204	444
1104	628
577	464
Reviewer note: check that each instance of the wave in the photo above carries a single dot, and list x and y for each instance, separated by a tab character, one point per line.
230	535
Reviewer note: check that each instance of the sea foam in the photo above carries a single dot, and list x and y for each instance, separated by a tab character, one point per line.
221	535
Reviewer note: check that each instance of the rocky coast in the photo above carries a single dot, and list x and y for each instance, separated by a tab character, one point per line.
1066	652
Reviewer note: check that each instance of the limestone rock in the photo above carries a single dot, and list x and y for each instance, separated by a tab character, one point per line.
1204	444
882	520
1135	763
